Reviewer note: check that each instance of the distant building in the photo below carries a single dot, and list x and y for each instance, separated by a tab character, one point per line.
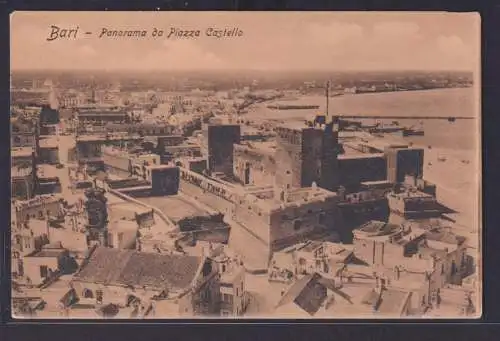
48	115
23	132
40	207
102	115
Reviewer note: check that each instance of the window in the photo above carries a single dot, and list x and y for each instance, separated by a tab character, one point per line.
44	271
297	224
453	268
87	293
40	214
99	296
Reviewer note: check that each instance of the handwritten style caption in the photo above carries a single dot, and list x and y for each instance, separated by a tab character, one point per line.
60	33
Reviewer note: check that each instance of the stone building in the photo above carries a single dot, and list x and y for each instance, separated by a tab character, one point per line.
298	215
307	155
51	260
254	163
218	146
153	284
420	259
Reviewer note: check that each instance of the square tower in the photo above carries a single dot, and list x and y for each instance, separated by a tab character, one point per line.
218	146
307	155
404	161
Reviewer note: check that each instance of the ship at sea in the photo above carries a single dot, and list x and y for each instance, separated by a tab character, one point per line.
412	132
291	106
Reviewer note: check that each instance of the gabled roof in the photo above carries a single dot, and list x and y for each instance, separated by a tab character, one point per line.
308	293
139	269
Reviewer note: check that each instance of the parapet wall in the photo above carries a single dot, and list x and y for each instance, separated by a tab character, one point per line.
135	201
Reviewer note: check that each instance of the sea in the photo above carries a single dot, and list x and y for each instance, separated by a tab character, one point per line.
461	134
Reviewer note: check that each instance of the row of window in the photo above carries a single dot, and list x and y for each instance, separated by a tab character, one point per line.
40	215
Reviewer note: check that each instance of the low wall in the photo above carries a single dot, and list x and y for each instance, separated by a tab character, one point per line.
230	194
155	209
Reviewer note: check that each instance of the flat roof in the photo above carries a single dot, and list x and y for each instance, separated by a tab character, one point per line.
175	207
361	156
264	147
21	151
412	194
49	143
20	171
47	253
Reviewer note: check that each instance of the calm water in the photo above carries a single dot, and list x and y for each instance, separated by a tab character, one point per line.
462	134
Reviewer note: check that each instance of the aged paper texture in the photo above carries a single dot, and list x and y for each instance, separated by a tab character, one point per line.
236	165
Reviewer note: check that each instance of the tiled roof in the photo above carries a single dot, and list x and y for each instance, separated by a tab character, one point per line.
139	269
308	293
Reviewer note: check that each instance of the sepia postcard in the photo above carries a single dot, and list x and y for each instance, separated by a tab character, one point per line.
238	165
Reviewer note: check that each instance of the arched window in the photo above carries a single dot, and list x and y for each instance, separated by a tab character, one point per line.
87	293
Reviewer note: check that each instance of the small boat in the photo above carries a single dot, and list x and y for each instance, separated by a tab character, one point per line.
413	132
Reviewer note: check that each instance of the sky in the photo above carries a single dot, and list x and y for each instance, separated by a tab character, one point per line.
340	41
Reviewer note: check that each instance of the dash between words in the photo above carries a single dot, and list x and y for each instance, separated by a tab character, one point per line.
58	33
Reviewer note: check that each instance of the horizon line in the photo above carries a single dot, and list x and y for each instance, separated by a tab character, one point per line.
237	70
